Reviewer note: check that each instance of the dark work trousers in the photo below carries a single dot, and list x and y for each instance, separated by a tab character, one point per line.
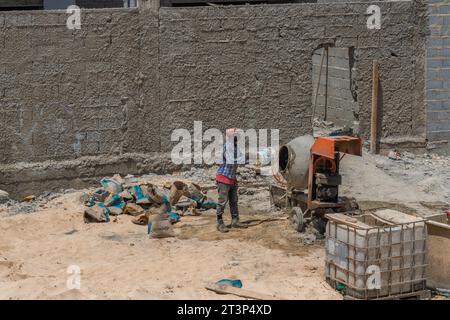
227	192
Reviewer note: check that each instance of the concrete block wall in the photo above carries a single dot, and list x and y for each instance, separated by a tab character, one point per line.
438	75
341	105
252	66
107	97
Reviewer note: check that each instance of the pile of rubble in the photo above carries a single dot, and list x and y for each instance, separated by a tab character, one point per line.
152	205
430	172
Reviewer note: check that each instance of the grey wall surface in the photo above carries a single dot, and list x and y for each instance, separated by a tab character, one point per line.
122	83
251	66
438	75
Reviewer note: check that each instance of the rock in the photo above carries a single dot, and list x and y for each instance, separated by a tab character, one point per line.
126	195
394	155
4	196
133	209
115	211
95	213
309	239
29	198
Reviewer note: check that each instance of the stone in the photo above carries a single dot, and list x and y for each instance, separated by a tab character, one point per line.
4	196
115	211
95	213
133	209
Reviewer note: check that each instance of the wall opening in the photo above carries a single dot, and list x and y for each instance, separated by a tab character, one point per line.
334	97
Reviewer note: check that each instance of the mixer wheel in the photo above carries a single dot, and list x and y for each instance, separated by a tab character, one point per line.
297	218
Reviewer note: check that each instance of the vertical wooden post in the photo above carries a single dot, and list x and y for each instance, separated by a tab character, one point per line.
374	116
326	89
317	87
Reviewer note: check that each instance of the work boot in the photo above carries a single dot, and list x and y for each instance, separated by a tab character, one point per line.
222	227
236	224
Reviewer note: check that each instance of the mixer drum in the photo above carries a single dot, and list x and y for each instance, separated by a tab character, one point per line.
293	161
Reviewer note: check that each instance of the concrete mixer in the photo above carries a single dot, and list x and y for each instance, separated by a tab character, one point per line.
311	170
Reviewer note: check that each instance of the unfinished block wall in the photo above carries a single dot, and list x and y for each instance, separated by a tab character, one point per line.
335	95
438	75
79	104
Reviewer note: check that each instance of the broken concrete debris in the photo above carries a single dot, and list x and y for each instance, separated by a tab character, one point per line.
150	204
160	226
133	209
96	213
394	155
29	198
4	196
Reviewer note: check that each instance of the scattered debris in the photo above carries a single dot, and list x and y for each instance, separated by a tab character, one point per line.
160	227
442	292
71	232
151	205
394	155
29	198
96	213
4	196
345	131
430	172
133	209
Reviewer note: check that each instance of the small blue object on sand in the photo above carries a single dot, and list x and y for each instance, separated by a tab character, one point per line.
234	283
173	216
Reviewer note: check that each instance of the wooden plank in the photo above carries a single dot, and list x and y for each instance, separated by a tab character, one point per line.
316	94
240	292
374	116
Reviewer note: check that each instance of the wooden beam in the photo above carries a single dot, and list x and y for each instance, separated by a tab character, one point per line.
317	87
374	116
240	292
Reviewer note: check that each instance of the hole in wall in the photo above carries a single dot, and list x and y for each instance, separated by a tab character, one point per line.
334	94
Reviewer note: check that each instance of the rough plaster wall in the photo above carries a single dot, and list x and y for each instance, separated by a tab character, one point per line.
341	105
121	84
438	75
66	94
251	66
69	94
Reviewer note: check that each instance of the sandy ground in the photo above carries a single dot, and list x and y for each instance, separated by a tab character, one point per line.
118	261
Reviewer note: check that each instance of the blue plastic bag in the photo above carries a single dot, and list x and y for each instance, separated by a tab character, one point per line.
234	283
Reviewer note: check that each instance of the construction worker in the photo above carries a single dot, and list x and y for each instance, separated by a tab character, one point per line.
227	186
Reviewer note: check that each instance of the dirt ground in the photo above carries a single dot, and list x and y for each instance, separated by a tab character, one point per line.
39	241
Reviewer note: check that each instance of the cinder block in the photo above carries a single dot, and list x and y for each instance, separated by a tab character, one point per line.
435	84
438	136
438	94
435	105
435	63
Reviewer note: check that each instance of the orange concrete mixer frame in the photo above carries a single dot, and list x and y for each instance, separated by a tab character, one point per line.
328	149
